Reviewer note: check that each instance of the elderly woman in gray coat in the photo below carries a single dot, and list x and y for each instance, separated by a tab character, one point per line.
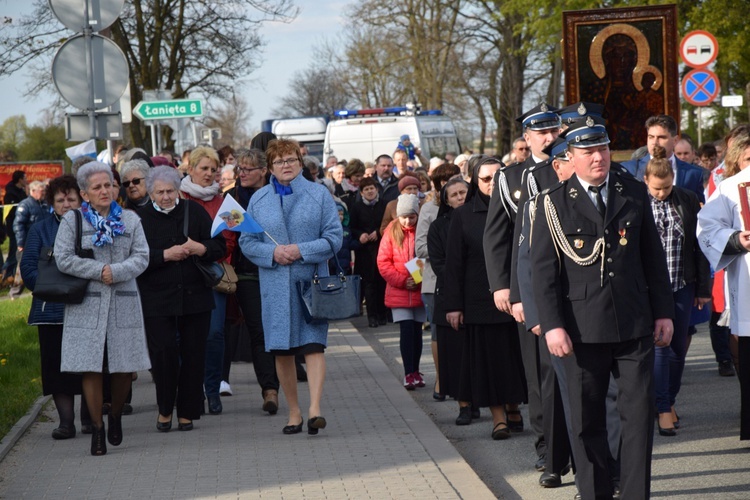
105	332
303	221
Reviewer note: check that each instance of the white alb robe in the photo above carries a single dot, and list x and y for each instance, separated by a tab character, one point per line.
717	221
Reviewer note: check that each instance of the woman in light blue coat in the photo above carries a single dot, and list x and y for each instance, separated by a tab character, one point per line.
105	332
302	230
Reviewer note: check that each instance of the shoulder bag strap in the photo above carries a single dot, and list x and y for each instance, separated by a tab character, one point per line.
185	220
79	232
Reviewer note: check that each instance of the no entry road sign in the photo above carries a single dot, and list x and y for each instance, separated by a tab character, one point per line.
700	87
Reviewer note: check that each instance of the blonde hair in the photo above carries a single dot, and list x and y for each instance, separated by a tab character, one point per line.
734	155
201	152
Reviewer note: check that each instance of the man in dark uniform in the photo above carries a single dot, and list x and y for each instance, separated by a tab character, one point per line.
601	287
554	421
541	126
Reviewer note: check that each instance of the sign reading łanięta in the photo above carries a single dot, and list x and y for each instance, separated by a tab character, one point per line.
168	110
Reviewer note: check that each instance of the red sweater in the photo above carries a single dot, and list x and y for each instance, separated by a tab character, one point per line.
212	207
392	261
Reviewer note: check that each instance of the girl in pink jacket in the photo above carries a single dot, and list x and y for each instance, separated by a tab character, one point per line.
402	294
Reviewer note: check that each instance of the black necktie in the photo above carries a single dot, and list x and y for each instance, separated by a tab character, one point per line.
600	206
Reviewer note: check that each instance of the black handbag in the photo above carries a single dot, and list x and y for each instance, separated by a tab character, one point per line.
52	285
212	272
330	297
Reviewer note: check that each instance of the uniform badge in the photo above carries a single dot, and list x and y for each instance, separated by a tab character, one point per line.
573	193
578	244
543	108
618	187
581	109
623	239
589	122
517	194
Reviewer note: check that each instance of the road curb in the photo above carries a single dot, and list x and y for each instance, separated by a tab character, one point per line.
15	432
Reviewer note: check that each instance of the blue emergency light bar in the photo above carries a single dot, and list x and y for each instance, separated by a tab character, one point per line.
396	110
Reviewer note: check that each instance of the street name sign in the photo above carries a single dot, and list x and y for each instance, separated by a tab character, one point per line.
168	110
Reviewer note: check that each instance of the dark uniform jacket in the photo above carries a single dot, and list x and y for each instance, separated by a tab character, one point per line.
498	231
466	287
437	245
595	304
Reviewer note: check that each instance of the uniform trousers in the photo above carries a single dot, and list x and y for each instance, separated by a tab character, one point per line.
530	356
177	364
555	427
588	376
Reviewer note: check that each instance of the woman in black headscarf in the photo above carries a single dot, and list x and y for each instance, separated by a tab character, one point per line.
449	341
491	368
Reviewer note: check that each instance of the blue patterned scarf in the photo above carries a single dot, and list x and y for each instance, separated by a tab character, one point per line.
106	229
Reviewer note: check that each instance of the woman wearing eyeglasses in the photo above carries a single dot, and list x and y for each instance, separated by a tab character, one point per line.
491	367
200	186
251	172
302	231
133	175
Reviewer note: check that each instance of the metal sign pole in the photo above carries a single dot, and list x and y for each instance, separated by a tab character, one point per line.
153	139
89	69
700	134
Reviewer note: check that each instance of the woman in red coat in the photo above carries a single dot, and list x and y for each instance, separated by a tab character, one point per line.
402	294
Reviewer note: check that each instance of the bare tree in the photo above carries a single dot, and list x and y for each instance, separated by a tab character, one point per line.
232	116
201	47
313	91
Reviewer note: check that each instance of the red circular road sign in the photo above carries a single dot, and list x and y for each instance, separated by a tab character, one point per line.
698	49
700	87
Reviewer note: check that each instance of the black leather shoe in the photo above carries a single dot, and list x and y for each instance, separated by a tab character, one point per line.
164	426
214	405
464	416
541	463
515	425
383	320
666	432
114	435
475	414
550	480
314	424
578	496
372	322
64	432
293	429
184	426
99	441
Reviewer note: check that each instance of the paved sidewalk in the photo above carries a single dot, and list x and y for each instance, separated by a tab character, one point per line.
378	444
706	460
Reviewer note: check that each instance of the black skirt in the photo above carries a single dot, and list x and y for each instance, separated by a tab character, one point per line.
311	348
450	351
50	348
491	367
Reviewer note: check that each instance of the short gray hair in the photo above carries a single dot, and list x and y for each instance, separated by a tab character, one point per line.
34	185
254	156
163	173
89	169
311	162
134	166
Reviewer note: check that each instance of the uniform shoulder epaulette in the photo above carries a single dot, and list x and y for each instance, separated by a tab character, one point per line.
554	188
624	174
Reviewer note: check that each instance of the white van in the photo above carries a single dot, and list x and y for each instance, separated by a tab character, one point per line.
307	130
369	133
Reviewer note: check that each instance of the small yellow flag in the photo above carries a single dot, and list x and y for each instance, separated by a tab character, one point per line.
6	211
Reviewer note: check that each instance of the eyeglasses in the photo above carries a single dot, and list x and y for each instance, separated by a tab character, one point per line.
243	170
522	149
486	180
291	162
135	182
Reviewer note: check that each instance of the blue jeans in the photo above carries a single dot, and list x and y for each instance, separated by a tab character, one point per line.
669	362
215	346
428	299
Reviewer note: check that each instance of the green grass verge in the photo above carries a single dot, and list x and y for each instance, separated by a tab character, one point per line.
20	377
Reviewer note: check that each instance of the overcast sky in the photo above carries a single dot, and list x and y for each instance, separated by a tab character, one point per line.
289	48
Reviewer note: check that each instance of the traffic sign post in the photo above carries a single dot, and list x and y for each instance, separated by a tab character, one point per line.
698	49
167	110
